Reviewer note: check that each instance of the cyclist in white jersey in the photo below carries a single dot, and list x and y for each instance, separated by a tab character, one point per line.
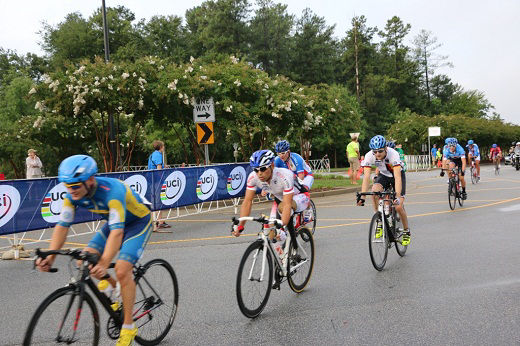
280	183
391	173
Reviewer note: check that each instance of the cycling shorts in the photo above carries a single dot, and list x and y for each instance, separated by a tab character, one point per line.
386	182
308	181
135	237
458	163
301	200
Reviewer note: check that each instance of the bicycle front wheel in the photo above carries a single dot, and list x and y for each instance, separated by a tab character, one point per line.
300	261
452	194
473	175
253	282
156	300
377	242
60	320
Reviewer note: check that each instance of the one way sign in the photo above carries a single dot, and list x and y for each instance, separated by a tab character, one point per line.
204	111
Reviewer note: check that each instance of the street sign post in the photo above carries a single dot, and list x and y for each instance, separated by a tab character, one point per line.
434	131
204	111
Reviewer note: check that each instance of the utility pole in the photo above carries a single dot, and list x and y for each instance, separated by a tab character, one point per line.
356	56
112	146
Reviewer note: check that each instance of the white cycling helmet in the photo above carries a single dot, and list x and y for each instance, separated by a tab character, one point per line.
517	143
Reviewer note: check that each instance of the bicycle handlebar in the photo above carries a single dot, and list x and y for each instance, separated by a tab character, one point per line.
92	258
262	219
376	193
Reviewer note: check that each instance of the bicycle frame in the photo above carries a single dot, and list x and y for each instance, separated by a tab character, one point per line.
281	264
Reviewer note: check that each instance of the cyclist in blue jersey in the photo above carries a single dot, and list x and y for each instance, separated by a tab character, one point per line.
293	162
127	230
474	154
455	156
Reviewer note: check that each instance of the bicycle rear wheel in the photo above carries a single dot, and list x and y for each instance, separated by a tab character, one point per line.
253	283
377	242
59	319
452	194
300	261
157	297
312	207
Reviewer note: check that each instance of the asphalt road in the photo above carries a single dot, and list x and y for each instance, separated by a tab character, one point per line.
458	284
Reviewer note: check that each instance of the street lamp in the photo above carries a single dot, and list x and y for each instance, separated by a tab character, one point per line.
112	148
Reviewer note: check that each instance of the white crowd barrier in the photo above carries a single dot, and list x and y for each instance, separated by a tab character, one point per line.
416	162
320	166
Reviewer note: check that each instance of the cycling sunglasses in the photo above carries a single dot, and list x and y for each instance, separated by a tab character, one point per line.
74	186
283	152
261	169
380	151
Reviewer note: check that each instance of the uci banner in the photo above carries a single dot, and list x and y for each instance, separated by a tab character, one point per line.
32	204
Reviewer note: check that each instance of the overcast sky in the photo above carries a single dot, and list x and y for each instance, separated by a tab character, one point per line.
479	36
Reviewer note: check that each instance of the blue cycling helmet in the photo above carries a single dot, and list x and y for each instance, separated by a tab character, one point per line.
447	140
76	169
470	142
494	145
391	144
282	146
261	158
452	141
377	142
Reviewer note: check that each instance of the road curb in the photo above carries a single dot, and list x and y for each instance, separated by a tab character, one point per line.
335	192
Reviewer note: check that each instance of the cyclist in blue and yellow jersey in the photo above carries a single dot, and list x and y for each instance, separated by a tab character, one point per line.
294	162
127	231
389	173
474	154
455	156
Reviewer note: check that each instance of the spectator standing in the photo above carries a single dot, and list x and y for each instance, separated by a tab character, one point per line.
33	164
353	157
399	149
155	161
434	154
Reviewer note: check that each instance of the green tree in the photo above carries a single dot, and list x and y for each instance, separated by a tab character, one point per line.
424	52
315	53
271	37
218	27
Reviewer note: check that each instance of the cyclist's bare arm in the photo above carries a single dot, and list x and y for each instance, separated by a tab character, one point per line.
58	239
245	209
366	179
398	181
287	205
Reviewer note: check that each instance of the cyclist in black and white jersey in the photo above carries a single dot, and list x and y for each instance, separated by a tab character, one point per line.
390	167
289	194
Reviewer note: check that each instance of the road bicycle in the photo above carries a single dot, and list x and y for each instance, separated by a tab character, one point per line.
262	268
454	189
474	177
69	315
496	163
385	229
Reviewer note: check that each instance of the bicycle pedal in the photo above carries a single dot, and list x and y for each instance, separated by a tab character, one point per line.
276	285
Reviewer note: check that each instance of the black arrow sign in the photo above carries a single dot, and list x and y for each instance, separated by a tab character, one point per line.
207	133
205	115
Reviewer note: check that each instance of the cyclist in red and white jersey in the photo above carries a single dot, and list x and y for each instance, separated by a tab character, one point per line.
289	195
495	153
